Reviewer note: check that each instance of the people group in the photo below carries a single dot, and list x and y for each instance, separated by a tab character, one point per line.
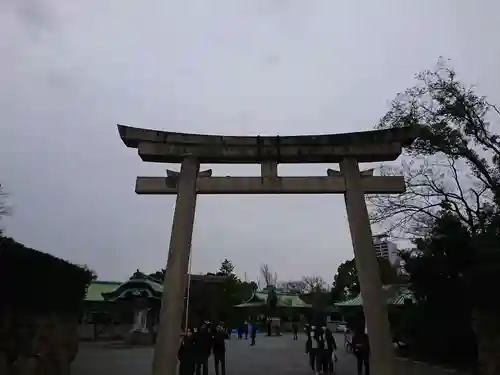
198	345
321	348
248	328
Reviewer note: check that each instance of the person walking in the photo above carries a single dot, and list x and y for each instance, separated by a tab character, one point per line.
310	347
186	354
330	352
246	328
295	330
219	349
253	333
361	349
307	329
225	329
321	365
203	348
314	347
240	331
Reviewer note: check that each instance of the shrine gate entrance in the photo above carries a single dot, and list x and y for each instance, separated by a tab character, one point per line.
348	150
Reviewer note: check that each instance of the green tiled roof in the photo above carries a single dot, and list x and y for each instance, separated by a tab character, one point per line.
139	281
96	288
156	286
284	300
395	295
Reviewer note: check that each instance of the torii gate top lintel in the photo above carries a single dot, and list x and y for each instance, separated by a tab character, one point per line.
170	147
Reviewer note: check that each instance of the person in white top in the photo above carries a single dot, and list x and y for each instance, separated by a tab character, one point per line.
312	345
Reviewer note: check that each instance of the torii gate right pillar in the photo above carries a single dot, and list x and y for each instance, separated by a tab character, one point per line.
374	306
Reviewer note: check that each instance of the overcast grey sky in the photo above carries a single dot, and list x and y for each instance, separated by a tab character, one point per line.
71	70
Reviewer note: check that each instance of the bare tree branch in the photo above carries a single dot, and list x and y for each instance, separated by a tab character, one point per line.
5	210
433	184
292	286
267	275
314	283
455	160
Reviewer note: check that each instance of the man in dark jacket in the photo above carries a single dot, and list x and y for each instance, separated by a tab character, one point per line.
361	351
203	347
219	349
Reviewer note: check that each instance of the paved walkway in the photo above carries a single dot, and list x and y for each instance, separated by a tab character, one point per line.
271	355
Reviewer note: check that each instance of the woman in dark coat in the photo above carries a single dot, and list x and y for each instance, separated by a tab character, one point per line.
186	354
331	348
361	348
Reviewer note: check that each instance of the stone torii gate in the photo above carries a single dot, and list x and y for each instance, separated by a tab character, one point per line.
346	149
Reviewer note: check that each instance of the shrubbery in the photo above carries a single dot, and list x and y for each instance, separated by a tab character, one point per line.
38	282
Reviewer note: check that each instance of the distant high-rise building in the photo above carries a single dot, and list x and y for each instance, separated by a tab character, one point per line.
386	249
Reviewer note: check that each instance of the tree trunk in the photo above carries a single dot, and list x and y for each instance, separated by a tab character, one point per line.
487	328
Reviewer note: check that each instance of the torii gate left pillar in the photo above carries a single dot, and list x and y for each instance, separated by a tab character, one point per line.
175	282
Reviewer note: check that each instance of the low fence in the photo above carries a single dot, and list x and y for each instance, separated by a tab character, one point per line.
410	367
103	332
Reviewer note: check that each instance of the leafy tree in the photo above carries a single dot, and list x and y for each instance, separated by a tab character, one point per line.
93	274
246	290
346	283
226	269
235	290
389	273
438	326
455	173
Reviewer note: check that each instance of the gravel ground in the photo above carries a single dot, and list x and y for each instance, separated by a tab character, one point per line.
271	355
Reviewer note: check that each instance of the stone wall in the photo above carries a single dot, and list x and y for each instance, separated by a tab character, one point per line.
37	344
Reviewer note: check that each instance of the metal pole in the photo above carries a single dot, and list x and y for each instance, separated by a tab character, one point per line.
188	295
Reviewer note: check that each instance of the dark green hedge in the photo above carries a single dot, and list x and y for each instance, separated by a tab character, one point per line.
483	280
39	282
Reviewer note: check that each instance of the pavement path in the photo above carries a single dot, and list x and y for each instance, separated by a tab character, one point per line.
271	355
